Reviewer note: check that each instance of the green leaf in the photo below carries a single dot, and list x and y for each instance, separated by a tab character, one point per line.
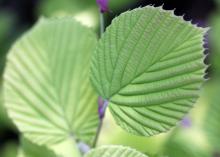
46	86
149	66
114	151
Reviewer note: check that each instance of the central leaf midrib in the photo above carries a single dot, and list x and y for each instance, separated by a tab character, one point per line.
58	99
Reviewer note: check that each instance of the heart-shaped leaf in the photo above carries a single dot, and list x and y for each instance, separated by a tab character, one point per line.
46	86
114	151
149	66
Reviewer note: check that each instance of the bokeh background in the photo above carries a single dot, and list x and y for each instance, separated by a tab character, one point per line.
198	135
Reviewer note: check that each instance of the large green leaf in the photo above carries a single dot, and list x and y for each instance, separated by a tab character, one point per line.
46	86
149	66
114	151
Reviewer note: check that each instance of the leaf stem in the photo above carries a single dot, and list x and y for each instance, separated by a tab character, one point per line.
102	23
104	104
101	118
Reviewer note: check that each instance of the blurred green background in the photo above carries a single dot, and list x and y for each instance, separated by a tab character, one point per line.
198	135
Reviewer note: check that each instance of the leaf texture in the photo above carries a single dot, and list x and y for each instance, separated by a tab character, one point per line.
149	66
46	86
114	151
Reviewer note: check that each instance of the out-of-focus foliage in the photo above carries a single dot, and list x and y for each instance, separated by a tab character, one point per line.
218	2
9	150
212	119
185	143
214	43
51	7
116	4
5	122
28	149
65	149
5	25
86	11
46	84
6	22
114	151
150	145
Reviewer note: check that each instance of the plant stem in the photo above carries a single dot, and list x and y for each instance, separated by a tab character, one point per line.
98	133
102	23
101	118
105	104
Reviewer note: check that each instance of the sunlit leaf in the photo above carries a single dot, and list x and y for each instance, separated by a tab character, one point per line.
114	151
149	66
46	86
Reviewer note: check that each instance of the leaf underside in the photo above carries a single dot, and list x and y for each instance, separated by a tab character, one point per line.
46	87
149	66
114	151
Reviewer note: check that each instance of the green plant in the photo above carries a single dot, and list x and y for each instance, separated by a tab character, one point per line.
147	69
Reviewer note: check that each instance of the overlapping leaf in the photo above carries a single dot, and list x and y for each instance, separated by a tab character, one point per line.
46	86
149	66
114	151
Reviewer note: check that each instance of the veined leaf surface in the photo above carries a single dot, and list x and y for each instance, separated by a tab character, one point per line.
149	66
114	151
46	86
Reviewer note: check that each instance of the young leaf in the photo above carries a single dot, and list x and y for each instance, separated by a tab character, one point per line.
46	86
114	151
149	66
